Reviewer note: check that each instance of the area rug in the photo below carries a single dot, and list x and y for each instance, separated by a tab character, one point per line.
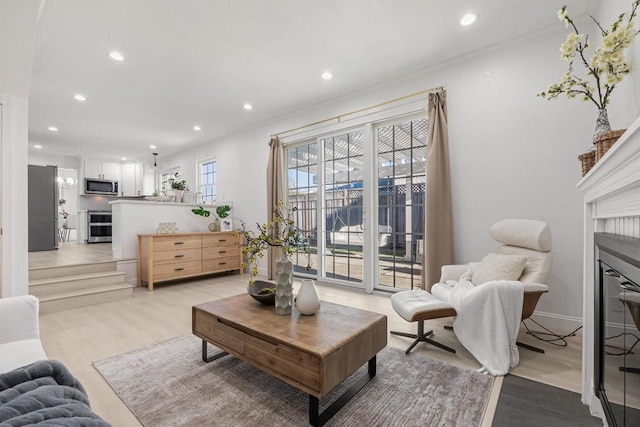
168	384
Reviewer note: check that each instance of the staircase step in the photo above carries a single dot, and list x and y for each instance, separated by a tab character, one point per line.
65	284
38	273
95	295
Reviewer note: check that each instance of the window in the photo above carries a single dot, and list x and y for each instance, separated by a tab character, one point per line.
207	180
165	177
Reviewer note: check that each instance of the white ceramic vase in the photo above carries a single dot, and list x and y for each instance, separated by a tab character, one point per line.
308	299
284	284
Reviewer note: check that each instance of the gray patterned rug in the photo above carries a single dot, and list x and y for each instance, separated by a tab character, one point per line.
167	384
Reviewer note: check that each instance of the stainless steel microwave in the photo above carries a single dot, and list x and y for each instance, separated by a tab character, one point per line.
100	186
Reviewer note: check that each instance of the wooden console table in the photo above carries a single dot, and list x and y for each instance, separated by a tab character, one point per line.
312	353
163	257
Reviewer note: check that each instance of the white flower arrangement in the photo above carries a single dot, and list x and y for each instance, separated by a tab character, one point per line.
607	67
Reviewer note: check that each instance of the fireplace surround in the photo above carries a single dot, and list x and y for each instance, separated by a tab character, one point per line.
611	195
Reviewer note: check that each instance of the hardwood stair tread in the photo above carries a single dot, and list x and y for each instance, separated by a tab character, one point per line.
53	267
75	277
89	291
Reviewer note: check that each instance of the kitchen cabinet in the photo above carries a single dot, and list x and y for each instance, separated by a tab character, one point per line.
132	179
163	257
102	169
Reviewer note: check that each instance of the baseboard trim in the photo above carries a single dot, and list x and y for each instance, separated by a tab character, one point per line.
558	323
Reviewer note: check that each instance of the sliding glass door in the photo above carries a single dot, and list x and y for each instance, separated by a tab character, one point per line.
335	180
402	153
342	207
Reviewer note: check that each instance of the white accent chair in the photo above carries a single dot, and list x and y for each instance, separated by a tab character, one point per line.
19	332
517	237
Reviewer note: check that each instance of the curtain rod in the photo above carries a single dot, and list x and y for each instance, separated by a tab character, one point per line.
338	118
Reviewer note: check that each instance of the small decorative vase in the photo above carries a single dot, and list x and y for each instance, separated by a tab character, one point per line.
187	197
214	226
602	123
284	284
178	195
308	300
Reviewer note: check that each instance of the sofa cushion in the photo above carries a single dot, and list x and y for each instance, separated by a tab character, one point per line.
20	353
498	267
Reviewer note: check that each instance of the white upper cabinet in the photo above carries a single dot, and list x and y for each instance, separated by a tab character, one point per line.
132	179
102	169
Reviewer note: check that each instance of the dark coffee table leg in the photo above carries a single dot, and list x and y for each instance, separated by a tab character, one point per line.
317	418
208	359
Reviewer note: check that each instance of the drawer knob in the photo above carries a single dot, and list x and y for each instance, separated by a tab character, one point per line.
178	256
222	252
178	243
222	263
222	240
179	269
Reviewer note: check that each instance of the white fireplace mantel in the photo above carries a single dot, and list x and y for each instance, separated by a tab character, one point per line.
611	192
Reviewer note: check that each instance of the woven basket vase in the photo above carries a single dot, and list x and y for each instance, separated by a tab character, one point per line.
605	141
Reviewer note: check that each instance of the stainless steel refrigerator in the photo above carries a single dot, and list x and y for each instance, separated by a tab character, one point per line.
43	208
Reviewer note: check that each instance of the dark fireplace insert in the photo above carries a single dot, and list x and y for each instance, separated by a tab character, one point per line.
617	321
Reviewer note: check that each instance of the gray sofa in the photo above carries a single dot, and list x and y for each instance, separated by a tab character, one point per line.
33	389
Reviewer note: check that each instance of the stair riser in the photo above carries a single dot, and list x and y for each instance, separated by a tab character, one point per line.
64	286
71	270
85	300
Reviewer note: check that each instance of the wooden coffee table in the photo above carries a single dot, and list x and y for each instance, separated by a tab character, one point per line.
312	353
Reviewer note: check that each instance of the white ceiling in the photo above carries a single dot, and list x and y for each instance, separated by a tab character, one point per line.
198	61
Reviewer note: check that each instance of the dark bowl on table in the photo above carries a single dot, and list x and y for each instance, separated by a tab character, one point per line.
266	299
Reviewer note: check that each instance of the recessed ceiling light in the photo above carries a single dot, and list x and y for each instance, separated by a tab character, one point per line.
247	106
153	147
53	129
197	128
38	146
115	55
79	97
327	75
124	158
468	19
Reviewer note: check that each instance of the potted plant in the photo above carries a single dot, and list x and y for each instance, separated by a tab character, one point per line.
281	233
222	212
606	69
178	185
63	213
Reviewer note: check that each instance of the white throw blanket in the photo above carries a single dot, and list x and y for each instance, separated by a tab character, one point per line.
488	321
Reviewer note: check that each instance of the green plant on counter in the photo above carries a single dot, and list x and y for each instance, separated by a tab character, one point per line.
201	211
222	211
176	183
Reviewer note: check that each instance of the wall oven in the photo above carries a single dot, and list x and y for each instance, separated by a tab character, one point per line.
98	226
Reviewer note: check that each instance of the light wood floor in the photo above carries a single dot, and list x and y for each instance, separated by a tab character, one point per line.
80	336
77	337
69	253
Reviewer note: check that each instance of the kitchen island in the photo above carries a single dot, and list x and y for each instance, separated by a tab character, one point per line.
133	217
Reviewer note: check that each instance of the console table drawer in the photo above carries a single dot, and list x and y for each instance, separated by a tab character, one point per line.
169	243
288	361
221	264
217	332
220	252
176	270
176	255
220	239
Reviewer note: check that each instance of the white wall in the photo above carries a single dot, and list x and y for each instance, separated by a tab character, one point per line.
14	196
513	155
17	42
